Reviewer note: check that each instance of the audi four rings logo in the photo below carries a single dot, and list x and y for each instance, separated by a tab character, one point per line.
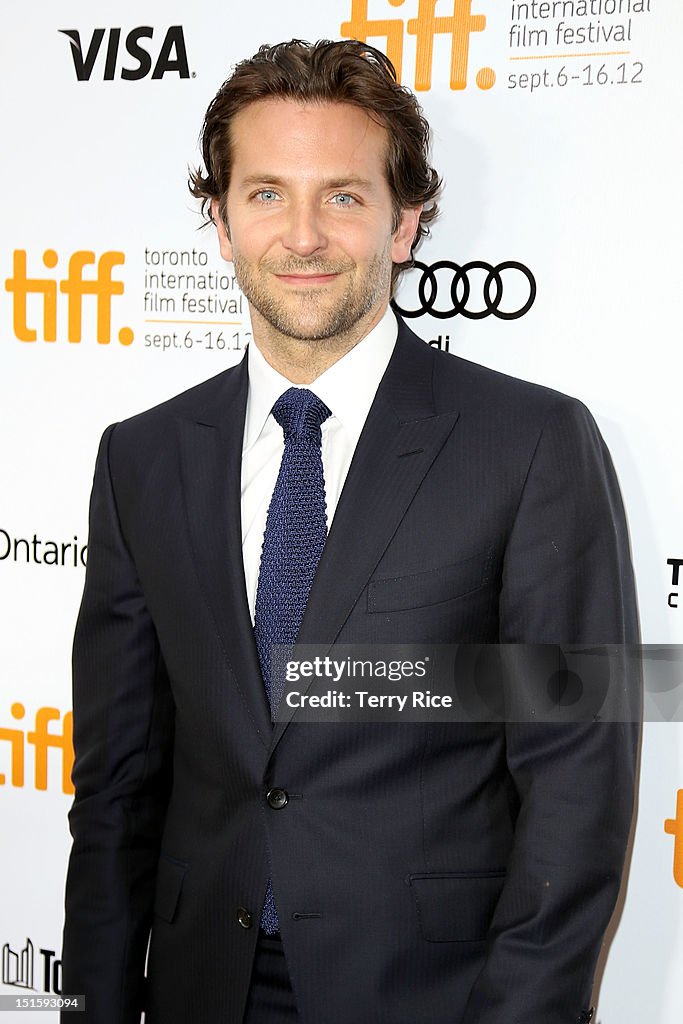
462	285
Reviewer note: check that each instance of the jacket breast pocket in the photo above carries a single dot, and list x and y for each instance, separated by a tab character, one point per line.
456	907
170	877
397	593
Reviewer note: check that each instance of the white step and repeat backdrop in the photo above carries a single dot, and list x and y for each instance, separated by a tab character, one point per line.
558	131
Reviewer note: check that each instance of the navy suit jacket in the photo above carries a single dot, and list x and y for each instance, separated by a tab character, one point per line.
438	872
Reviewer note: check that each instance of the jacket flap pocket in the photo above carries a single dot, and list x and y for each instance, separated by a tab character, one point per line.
170	875
456	907
425	588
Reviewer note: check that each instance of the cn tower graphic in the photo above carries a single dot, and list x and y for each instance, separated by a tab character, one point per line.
17	968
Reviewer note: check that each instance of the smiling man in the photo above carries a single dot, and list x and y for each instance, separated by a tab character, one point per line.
313	241
344	483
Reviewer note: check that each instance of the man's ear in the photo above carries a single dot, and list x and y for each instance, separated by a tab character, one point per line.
221	230
404	236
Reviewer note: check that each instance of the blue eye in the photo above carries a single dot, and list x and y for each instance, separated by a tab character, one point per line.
343	199
267	195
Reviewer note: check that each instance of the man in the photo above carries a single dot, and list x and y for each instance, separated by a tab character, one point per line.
345	483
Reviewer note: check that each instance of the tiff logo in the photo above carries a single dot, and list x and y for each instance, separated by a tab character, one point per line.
425	26
674	827
42	739
75	286
172	55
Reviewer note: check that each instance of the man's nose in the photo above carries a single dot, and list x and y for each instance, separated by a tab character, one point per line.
304	233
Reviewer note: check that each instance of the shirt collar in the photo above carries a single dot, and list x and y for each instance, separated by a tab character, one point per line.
347	388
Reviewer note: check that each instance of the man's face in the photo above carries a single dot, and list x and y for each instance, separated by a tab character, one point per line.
310	217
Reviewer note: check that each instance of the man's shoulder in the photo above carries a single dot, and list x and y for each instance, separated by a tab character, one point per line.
209	401
495	410
471	386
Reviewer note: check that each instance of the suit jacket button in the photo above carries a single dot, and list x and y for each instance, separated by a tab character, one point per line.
244	917
277	798
586	1016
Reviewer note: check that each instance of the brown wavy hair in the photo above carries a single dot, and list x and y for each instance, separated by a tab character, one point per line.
345	71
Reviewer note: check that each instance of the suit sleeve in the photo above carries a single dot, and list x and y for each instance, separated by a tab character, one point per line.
123	723
567	579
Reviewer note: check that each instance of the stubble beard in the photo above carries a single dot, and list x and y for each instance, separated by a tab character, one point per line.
307	317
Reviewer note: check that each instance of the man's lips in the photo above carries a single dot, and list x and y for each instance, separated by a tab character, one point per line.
306	279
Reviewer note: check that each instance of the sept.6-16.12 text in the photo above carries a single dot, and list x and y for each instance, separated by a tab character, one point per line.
593	73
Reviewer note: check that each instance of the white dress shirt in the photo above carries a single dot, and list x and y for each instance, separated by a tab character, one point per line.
348	389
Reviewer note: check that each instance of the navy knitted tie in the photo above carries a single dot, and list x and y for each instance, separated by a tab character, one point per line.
296	530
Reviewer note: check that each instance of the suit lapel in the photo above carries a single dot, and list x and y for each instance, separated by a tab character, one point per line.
402	436
211	457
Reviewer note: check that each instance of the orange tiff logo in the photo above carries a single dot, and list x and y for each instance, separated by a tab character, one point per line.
42	739
674	827
424	26
75	286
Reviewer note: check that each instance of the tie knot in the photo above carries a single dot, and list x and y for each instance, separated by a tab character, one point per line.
300	413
